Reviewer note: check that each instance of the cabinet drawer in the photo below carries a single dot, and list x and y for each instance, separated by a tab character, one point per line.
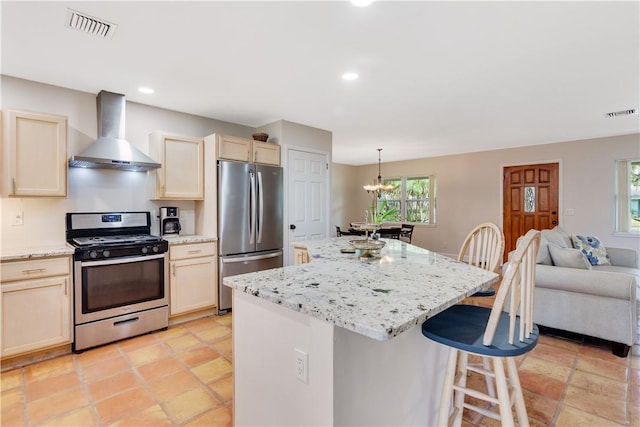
33	269
191	250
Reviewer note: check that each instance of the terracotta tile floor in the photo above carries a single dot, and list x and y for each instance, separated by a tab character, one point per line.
178	377
183	377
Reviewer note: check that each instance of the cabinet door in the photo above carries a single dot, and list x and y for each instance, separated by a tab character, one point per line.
36	154
234	148
301	255
266	154
181	176
193	284
35	314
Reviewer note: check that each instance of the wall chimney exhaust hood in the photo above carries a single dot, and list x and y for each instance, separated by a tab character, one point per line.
111	150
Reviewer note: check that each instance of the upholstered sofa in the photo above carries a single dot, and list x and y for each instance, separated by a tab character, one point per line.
573	294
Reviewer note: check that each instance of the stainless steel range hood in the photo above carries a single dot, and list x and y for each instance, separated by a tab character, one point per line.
111	150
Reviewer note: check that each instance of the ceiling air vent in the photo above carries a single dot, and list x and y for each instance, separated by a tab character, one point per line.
623	113
89	25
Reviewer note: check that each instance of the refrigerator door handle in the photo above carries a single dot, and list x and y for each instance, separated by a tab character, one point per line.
250	258
260	207
252	208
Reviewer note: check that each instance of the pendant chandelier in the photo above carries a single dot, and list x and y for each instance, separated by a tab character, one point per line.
378	187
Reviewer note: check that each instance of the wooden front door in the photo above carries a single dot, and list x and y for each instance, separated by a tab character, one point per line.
530	195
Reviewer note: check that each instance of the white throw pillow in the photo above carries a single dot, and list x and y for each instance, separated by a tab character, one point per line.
568	257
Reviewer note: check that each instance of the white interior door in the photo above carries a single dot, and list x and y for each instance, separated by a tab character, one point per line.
307	208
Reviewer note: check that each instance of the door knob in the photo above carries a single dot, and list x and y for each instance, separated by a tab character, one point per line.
292	227
554	222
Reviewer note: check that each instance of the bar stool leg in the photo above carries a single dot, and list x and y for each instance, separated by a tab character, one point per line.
521	409
491	391
459	389
503	392
447	388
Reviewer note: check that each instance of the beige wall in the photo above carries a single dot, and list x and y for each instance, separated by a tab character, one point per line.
469	188
343	193
91	189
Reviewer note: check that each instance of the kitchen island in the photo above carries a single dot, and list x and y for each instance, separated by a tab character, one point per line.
337	341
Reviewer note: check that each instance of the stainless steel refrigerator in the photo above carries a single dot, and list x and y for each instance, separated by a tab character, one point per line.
249	221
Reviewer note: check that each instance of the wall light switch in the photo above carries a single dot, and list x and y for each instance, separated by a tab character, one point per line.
17	218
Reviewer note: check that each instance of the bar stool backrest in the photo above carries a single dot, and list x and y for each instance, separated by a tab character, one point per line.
483	247
517	283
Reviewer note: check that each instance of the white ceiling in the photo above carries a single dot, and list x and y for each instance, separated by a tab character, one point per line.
436	78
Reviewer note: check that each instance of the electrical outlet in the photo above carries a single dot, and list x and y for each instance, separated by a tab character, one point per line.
17	218
301	365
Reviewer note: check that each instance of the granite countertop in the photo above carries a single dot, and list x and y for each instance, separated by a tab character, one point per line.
194	238
21	254
378	299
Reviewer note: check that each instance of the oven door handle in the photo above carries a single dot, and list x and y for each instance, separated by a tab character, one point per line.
125	260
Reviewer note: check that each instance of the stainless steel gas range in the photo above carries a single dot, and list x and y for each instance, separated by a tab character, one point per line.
120	277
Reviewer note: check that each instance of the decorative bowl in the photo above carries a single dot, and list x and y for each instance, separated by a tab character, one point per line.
367	244
367	249
260	136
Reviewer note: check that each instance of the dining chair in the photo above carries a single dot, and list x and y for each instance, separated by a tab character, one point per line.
406	230
491	334
389	233
483	248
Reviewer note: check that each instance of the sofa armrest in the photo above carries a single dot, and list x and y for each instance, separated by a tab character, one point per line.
623	257
600	283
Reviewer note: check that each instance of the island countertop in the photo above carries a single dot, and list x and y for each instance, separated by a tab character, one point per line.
379	299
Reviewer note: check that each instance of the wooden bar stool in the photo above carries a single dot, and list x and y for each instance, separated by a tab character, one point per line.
483	248
490	333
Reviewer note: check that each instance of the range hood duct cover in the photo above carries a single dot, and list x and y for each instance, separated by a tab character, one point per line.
111	150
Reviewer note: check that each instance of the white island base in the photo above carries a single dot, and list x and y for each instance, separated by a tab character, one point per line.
352	379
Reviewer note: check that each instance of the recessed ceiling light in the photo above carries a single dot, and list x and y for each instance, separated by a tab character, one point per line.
623	113
147	90
350	76
361	3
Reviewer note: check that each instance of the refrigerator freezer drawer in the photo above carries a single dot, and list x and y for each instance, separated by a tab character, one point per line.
240	264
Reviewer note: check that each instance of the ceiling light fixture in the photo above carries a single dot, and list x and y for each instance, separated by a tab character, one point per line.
378	187
350	76
146	90
628	112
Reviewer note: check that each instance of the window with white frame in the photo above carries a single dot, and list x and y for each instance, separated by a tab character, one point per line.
412	200
627	196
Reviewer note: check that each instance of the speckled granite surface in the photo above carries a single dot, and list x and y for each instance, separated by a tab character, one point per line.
19	254
181	240
379	299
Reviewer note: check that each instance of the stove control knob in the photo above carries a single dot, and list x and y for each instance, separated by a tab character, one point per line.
106	254
155	248
145	249
93	254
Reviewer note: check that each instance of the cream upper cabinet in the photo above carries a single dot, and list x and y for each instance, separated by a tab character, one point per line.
247	150
35	151
193	277
35	301
181	176
265	153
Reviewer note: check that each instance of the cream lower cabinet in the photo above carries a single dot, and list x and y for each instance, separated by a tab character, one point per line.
300	254
36	298
193	277
247	150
